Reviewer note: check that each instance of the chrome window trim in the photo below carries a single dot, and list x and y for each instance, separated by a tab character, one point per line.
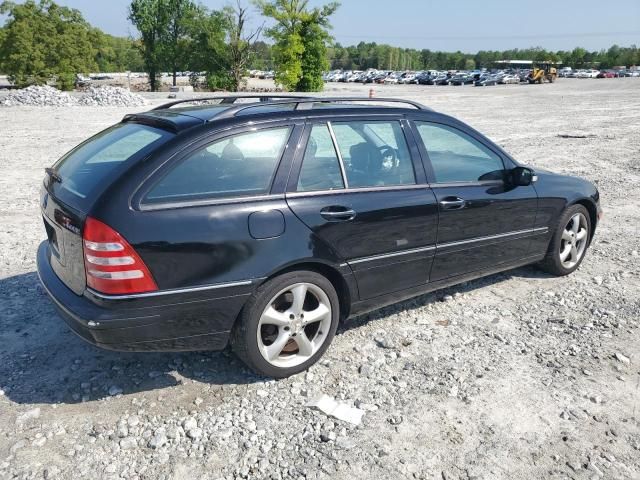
336	147
159	293
211	202
479	183
357	190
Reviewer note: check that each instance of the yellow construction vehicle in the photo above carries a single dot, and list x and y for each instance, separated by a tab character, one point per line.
543	71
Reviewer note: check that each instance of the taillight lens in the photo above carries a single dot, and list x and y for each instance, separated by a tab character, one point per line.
112	265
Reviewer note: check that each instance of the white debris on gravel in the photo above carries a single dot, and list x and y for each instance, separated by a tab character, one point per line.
340	410
38	96
107	96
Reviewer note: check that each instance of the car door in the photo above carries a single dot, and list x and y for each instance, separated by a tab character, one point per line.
483	219
359	186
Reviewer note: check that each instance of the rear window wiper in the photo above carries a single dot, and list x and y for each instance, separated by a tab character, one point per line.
55	176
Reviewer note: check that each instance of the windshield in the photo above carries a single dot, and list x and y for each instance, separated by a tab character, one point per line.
88	165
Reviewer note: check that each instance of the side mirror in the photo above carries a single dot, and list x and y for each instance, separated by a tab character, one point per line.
521	176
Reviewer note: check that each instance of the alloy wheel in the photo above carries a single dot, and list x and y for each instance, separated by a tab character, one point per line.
294	325
574	240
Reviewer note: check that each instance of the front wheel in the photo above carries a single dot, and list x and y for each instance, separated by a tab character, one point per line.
287	324
569	243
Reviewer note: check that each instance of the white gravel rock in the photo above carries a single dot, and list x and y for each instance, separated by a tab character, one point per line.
38	96
106	96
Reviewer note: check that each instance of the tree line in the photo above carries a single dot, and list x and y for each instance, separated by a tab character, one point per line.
42	41
386	57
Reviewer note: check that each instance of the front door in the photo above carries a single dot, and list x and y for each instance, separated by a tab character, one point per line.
359	186
484	221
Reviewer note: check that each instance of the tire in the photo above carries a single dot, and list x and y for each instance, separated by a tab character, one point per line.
268	322
553	262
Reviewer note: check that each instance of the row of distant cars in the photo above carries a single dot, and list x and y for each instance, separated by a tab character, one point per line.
592	73
430	77
479	78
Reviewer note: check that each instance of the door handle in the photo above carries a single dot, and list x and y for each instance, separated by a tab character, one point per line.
452	203
337	213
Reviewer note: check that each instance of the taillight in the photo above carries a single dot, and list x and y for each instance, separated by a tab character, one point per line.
112	265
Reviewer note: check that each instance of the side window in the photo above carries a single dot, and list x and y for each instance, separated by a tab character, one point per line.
457	157
374	154
241	165
320	166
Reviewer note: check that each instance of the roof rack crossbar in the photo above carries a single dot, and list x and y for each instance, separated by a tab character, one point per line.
227	99
306	103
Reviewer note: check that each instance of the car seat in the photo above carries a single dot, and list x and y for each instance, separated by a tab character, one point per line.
366	165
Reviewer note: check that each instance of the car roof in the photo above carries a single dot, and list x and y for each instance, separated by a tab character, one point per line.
192	112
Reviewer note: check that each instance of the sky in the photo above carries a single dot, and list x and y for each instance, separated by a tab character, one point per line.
447	25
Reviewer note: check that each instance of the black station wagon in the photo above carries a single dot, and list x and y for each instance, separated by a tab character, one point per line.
263	221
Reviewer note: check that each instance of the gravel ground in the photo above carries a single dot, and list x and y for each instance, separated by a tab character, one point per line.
516	376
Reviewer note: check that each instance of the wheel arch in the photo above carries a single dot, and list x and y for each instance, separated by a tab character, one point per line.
344	291
593	213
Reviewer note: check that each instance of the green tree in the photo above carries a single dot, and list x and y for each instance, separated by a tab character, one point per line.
116	54
314	61
43	41
175	41
298	29
151	19
208	52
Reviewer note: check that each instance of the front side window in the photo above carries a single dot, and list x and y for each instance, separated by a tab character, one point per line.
457	157
320	166
374	154
236	166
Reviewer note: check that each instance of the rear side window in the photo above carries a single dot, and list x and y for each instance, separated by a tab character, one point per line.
236	166
320	166
90	164
375	154
457	157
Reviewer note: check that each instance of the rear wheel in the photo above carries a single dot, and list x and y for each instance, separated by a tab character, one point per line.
569	243
287	324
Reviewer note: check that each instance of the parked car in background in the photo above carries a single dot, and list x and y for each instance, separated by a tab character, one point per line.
461	79
486	80
442	79
510	79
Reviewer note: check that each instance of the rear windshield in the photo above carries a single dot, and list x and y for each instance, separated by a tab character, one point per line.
88	165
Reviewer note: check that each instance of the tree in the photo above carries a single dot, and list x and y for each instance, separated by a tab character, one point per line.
43	41
208	51
242	44
314	61
297	30
151	19
174	41
116	54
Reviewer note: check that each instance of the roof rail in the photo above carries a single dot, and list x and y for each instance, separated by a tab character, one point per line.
228	99
306	103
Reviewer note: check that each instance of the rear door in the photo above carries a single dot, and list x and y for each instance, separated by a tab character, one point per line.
484	220
359	186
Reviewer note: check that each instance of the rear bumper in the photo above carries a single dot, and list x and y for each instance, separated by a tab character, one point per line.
176	321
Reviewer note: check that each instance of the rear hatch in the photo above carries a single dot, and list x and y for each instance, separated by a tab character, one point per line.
76	182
